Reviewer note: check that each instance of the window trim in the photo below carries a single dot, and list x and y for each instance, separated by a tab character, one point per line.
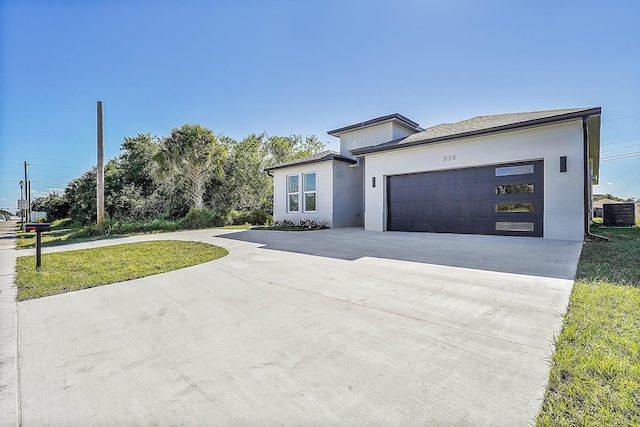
304	192
289	194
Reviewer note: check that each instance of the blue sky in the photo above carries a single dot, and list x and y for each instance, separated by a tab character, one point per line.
289	66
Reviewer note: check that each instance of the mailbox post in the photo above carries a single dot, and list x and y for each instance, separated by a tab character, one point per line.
38	228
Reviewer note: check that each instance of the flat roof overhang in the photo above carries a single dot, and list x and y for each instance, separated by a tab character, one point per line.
593	133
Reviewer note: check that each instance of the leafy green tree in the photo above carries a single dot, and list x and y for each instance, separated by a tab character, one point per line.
196	170
137	162
55	205
195	153
245	186
286	148
81	194
141	193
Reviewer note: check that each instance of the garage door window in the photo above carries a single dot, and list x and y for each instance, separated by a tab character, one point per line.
293	195
514	226
514	170
309	185
514	189
515	207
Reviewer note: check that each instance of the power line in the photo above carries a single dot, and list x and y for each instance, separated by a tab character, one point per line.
621	148
620	118
50	183
49	176
627	181
56	166
621	156
620	141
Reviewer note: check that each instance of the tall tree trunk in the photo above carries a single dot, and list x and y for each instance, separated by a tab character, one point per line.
197	189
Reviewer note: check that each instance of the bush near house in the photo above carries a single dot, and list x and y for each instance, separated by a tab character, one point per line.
207	218
595	373
302	225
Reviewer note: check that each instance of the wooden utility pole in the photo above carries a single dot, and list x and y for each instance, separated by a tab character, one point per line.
100	166
27	194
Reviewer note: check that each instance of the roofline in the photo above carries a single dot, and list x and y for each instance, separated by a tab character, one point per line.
535	122
331	158
399	117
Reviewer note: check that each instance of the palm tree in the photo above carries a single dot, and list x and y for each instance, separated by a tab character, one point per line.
194	152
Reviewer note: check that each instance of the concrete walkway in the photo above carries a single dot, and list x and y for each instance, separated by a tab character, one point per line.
335	327
8	371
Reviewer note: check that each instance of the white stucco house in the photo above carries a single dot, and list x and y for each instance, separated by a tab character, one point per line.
519	174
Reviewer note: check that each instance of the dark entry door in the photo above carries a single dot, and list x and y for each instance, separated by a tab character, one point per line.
505	199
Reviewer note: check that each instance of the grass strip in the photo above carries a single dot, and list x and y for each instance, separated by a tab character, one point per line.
595	373
595	379
616	261
74	270
65	236
27	240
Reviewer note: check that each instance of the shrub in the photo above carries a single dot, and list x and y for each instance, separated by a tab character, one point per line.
315	225
64	223
206	218
303	224
257	217
285	223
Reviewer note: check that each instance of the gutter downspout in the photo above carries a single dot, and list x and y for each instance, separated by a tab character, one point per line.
587	183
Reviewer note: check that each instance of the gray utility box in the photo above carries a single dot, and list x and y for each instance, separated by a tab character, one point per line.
619	215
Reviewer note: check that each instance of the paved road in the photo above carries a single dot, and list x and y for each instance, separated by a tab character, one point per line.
338	327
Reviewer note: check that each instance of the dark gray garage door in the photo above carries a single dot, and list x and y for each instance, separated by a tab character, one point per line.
505	199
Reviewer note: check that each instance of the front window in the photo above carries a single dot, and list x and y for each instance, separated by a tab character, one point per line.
309	187
293	196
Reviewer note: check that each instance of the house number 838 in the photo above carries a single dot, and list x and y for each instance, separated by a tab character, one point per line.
449	158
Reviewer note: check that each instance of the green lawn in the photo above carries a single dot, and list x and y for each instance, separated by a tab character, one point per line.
74	270
595	374
57	237
62	234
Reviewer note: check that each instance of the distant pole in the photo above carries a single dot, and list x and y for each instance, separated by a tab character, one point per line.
26	190
29	200
100	166
21	210
27	193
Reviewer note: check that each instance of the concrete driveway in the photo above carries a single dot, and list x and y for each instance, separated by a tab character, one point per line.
332	327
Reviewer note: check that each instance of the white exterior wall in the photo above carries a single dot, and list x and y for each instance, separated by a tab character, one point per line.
324	194
401	132
348	205
372	135
563	192
365	137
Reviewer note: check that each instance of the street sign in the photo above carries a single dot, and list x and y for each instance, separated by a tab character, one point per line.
23	204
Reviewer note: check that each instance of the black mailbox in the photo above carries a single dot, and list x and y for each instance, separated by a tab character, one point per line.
38	227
